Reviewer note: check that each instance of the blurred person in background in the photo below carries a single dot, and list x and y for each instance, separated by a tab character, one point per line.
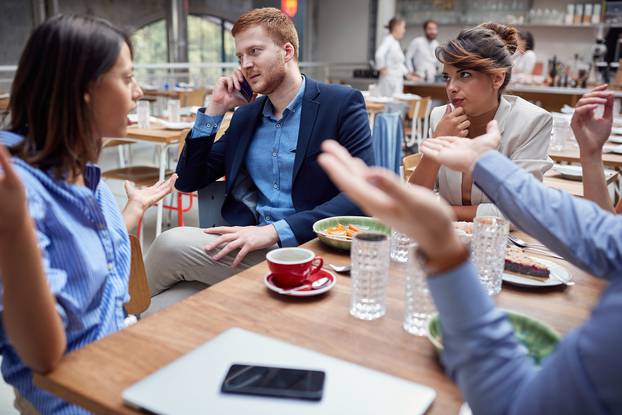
390	60
420	57
525	57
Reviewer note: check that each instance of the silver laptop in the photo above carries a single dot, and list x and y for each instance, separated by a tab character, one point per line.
191	384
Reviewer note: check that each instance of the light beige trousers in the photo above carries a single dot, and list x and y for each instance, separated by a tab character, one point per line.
179	255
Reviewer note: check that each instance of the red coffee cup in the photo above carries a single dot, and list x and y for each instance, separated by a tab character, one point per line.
291	267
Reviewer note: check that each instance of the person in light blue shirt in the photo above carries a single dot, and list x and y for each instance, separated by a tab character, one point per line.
481	353
274	189
64	246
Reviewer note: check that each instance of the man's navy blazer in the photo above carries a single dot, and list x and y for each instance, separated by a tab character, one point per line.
328	112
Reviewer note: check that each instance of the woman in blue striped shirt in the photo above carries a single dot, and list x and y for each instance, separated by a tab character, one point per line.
64	248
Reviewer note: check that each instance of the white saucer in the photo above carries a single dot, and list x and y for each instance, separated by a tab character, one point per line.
305	292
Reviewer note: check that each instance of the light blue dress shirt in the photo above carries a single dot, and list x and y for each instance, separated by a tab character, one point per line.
269	161
86	258
493	370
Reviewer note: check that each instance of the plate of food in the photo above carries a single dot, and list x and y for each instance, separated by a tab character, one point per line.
539	338
528	271
337	232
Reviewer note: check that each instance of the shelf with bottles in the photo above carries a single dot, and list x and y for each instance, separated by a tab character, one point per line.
512	12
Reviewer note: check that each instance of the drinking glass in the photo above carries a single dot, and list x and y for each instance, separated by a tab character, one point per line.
490	235
370	275
143	113
173	110
419	307
399	246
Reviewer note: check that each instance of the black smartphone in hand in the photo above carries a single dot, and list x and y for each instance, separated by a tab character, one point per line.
274	382
246	90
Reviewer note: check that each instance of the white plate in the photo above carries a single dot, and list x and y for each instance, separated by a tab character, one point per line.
406	97
379	100
616	130
616	139
554	267
612	148
303	293
169	125
569	171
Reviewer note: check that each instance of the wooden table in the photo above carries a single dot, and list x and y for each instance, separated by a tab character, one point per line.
610	160
575	187
162	138
94	377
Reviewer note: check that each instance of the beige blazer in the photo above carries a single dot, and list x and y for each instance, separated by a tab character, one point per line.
525	134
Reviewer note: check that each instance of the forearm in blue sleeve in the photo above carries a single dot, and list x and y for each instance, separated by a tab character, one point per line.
577	229
286	235
481	352
205	125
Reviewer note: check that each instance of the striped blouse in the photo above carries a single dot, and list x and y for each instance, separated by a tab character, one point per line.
86	256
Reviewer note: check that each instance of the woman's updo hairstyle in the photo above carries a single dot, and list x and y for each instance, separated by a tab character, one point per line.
487	48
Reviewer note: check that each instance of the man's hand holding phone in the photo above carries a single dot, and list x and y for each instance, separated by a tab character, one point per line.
230	91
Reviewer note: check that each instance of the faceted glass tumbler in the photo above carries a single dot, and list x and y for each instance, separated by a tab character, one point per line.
490	234
399	247
419	306
370	275
143	113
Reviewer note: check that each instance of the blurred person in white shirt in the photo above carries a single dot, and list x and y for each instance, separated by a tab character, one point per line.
525	58
420	57
390	59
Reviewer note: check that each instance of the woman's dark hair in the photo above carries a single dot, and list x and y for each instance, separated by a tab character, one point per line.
394	22
528	39
486	48
62	58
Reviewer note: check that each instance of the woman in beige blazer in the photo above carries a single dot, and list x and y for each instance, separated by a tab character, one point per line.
477	66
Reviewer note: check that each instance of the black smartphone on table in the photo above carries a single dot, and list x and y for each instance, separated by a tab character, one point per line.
246	90
274	382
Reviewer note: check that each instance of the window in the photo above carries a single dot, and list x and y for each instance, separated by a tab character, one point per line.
209	41
150	45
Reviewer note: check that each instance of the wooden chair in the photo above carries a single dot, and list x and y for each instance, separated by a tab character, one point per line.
411	114
121	146
418	130
409	163
140	296
192	98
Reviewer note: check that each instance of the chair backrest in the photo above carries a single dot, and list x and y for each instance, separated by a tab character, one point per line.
413	108
411	161
195	97
224	125
140	296
424	107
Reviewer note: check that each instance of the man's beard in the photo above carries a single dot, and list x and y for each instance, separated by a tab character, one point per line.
272	79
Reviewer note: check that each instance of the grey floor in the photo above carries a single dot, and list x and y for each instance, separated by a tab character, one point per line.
142	154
